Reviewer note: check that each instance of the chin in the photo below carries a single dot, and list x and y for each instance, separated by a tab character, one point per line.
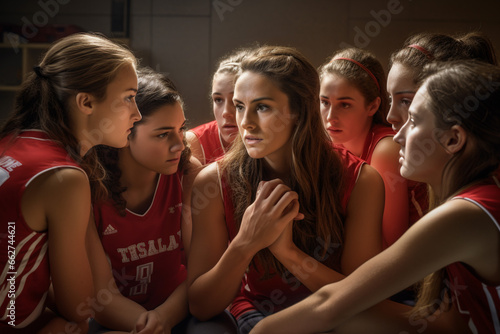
254	155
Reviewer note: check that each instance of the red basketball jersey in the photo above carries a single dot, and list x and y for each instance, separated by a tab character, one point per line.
25	276
209	137
477	301
279	292
145	249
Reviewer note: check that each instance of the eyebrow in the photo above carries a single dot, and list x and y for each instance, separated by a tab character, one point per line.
405	92
256	100
168	127
132	89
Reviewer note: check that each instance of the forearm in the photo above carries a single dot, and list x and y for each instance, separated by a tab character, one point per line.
311	315
175	308
309	271
120	313
214	290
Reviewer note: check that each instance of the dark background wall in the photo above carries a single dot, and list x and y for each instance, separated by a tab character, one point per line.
184	38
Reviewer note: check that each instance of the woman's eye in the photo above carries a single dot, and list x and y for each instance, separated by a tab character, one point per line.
262	107
163	135
217	100
345	105
239	107
325	103
130	98
406	102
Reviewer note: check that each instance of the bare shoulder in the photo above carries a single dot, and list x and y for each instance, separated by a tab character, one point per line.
386	153
368	178
195	145
49	191
458	231
191	137
208	175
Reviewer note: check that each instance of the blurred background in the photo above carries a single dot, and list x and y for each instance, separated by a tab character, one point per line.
185	38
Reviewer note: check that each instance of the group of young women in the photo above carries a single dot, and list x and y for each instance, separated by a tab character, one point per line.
298	210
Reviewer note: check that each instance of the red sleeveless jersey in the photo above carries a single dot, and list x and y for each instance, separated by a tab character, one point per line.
477	301
25	277
210	141
145	249
417	192
278	292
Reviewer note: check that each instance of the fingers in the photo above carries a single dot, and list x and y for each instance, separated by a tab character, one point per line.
280	197
141	322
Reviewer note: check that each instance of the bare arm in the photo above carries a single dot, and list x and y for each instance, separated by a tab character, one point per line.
196	148
385	160
362	237
456	231
187	185
115	310
66	199
215	269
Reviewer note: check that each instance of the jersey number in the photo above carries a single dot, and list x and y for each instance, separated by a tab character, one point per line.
143	276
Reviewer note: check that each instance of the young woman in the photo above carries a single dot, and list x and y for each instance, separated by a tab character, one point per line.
211	140
407	64
458	241
144	226
247	250
354	106
81	95
405	77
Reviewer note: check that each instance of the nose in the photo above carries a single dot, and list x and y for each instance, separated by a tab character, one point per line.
178	144
244	120
136	114
400	137
229	109
329	114
394	118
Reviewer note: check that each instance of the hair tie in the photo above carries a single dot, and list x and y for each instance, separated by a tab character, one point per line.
38	71
421	49
363	67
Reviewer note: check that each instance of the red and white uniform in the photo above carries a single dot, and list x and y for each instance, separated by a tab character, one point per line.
25	276
211	143
477	301
278	292
145	250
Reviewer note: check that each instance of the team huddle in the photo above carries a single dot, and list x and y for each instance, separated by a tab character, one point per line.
340	199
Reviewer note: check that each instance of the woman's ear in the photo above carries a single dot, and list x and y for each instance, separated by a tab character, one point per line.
84	103
374	105
455	139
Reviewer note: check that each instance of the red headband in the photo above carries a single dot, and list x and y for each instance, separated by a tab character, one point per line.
363	67
421	49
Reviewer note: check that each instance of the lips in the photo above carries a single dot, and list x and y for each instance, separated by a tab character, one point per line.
250	140
174	160
401	157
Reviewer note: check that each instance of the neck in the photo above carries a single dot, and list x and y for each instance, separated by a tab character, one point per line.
357	145
135	176
278	169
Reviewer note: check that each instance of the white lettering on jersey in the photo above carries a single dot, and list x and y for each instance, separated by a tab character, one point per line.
141	250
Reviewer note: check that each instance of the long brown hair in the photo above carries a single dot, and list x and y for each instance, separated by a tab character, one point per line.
370	87
317	171
77	63
465	93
